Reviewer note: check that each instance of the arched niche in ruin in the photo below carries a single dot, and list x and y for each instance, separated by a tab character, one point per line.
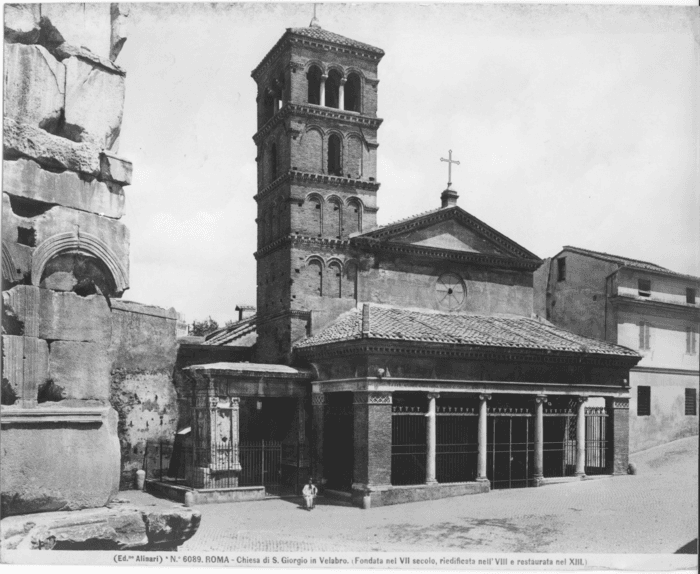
79	262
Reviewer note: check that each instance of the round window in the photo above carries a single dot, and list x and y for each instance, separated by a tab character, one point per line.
451	291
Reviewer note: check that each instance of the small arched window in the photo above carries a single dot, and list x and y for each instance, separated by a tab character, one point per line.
313	78
273	162
352	92
335	217
333	89
335	164
335	278
314	215
314	278
353	219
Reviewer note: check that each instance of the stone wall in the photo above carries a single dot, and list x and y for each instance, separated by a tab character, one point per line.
144	352
65	254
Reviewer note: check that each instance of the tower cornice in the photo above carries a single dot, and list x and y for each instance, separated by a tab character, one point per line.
290	37
316	178
325	242
314	111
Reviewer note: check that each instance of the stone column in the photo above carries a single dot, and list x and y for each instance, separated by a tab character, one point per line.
581	437
341	94
324	77
372	446
431	430
539	438
483	438
619	437
318	404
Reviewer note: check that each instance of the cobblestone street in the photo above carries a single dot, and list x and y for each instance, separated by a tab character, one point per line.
652	512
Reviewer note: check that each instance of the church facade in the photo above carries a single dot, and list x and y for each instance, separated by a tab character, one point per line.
403	362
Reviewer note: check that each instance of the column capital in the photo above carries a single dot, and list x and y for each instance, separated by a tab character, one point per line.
618	403
372	398
539	399
581	399
343	81
433	396
318	399
324	77
484	397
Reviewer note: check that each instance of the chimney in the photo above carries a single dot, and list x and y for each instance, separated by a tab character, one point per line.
245	311
365	319
449	198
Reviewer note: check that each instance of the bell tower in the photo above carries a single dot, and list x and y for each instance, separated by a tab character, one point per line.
317	164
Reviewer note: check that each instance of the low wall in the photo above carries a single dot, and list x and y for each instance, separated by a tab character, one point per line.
418	492
205	495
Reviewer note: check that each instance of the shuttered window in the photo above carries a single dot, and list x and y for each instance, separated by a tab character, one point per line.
691	402
643	401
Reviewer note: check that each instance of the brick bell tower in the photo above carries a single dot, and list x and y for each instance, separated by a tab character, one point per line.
317	157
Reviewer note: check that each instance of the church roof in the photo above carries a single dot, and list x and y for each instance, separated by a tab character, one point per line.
626	261
374	321
240	334
318	33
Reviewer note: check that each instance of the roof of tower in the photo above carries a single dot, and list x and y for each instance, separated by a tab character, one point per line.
318	33
314	32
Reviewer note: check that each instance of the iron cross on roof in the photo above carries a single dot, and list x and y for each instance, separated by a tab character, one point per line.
449	161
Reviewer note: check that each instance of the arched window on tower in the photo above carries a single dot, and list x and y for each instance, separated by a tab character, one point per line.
313	216
353	218
335	278
352	92
334	219
313	275
350	281
335	164
273	162
333	89
313	78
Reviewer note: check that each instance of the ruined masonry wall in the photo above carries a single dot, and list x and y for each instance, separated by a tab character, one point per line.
65	254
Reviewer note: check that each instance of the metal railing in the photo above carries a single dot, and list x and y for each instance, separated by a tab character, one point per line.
408	445
597	441
559	443
457	444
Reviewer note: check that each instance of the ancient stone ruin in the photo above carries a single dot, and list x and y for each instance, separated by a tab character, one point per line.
65	264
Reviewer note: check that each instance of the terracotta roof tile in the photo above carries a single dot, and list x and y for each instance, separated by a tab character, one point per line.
318	33
240	334
511	331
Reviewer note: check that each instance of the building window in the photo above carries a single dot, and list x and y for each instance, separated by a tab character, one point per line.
333	89
561	269
691	340
690	296
691	402
335	166
643	401
352	93
644	287
644	336
313	79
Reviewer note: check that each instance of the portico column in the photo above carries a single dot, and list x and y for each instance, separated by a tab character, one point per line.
539	438
324	77
318	404
581	437
483	438
341	94
431	428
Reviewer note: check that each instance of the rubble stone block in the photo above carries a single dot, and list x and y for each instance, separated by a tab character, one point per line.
69	317
94	103
55	315
26	178
48	150
81	369
120	23
87	25
35	84
115	169
22	23
170	527
49	466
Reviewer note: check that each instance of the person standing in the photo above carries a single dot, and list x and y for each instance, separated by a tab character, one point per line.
309	492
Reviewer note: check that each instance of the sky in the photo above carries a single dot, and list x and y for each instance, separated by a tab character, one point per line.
574	125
